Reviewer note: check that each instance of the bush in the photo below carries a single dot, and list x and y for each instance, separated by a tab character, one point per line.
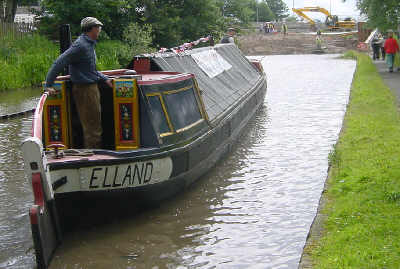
139	39
112	54
24	62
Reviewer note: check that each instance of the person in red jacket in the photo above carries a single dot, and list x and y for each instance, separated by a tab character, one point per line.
391	47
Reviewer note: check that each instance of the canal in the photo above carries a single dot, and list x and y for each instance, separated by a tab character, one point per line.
254	210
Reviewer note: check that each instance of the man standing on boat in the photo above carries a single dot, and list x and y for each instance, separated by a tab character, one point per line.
81	58
228	38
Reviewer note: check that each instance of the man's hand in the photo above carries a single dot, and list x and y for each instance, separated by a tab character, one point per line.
109	82
51	90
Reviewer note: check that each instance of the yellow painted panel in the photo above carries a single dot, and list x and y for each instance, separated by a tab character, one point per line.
126	114
55	117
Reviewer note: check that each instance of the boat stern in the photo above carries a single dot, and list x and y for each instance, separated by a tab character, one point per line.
45	227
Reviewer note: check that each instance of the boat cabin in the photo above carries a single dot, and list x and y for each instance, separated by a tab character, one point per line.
146	108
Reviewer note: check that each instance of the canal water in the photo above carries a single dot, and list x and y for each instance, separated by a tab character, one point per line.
253	210
13	101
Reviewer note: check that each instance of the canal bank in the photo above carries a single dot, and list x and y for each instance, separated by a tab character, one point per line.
357	221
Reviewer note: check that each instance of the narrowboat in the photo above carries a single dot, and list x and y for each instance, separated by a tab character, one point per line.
167	121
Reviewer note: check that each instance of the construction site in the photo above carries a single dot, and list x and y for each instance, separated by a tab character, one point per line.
305	36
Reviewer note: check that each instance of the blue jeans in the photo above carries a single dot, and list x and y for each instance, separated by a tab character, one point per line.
390	60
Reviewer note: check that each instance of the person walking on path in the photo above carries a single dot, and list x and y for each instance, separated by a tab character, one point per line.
391	47
284	29
381	45
81	57
376	45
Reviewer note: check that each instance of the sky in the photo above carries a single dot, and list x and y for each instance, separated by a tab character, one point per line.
336	7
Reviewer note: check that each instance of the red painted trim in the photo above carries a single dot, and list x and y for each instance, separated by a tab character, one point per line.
257	65
166	80
182	76
114	72
37	188
106	72
37	118
141	65
33	215
162	73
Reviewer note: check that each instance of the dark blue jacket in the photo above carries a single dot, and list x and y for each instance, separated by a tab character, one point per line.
81	58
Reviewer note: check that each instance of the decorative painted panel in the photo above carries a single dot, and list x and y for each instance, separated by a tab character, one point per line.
55	117
126	122
126	114
124	88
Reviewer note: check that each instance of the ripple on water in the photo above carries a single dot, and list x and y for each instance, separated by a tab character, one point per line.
15	197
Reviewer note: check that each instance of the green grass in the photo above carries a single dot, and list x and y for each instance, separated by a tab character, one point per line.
362	228
112	54
24	62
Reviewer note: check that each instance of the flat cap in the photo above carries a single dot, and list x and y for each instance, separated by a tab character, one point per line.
90	21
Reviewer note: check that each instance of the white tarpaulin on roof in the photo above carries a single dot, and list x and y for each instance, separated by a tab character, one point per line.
211	62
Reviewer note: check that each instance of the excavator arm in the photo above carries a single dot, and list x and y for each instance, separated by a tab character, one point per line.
331	21
299	11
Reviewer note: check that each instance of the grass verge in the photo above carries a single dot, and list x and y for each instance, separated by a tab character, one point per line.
24	62
362	200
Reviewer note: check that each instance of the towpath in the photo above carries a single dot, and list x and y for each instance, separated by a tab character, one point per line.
392	80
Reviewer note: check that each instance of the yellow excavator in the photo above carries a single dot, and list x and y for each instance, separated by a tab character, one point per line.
332	21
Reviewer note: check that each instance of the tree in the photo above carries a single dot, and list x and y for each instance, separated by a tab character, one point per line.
384	14
239	9
114	14
8	8
278	7
177	21
291	19
172	22
262	12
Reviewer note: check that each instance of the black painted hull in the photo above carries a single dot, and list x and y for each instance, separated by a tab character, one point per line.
189	164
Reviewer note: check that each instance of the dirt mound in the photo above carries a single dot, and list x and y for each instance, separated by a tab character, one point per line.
295	43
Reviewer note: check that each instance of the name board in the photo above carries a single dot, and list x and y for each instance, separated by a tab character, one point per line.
125	175
211	62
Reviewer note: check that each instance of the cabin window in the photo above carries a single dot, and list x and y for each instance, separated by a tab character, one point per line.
182	107
159	118
174	106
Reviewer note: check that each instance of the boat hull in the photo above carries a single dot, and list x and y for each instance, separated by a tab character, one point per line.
189	164
208	114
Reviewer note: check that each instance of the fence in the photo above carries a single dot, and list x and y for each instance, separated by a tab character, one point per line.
15	30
